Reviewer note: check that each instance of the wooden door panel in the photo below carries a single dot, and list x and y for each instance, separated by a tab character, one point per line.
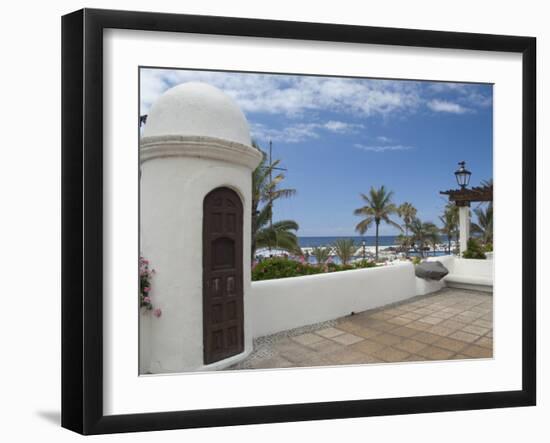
223	313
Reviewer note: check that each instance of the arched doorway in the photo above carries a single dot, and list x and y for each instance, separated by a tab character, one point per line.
223	313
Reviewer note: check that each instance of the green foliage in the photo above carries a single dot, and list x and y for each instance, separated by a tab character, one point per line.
344	248
416	260
474	250
266	189
364	264
484	225
278	267
489	247
423	235
321	254
281	268
378	208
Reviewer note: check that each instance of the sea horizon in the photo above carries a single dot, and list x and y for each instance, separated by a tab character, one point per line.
370	240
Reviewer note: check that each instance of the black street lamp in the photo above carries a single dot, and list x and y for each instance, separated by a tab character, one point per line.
364	252
462	175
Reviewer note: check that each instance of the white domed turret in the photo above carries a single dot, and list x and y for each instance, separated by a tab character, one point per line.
196	142
197	109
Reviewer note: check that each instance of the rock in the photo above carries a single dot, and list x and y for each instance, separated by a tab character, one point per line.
431	270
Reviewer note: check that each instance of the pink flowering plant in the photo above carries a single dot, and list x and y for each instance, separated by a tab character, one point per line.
145	277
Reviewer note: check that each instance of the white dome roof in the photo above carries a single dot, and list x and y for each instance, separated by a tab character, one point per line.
197	109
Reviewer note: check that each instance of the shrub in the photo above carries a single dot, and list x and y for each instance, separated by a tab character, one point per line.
281	268
489	247
474	250
416	260
278	267
364	264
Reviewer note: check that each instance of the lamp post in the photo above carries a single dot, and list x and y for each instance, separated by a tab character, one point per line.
364	253
462	175
463	179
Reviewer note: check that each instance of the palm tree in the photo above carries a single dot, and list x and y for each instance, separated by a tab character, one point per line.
407	212
403	242
265	190
484	225
378	209
280	234
344	248
423	234
321	254
449	220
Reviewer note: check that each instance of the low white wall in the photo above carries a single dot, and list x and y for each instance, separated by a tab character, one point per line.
286	303
424	286
471	274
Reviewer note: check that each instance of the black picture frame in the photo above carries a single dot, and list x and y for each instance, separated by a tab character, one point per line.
82	219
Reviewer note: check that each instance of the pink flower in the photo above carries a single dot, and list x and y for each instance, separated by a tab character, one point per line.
146	289
302	259
146	299
157	312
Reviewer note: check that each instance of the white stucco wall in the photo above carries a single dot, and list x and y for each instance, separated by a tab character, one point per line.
172	194
424	287
278	305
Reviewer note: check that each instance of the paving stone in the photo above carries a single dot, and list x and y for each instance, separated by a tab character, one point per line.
367	346
403	331
390	354
347	339
410	345
329	332
381	326
426	337
347	357
440	330
307	339
423	311
483	323
464	336
452	324
419	326
486	342
476	330
411	316
435	353
431	320
381	315
366	332
348	326
443	315
325	346
400	321
478	352
387	339
450	344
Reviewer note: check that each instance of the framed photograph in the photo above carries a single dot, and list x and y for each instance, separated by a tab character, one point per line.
269	221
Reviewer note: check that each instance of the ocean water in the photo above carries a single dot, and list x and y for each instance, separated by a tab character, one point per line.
370	240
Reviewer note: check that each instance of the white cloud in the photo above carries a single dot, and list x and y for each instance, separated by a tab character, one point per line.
291	95
300	132
291	134
382	148
342	127
447	106
383	139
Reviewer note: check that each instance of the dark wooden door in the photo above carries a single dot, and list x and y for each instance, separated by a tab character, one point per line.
223	314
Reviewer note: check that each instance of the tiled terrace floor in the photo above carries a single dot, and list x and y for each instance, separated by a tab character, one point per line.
450	324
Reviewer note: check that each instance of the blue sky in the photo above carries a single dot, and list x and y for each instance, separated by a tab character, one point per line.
339	136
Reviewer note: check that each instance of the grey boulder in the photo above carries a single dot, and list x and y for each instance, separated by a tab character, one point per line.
431	270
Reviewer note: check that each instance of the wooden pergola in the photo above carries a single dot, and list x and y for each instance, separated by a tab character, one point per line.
463	198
